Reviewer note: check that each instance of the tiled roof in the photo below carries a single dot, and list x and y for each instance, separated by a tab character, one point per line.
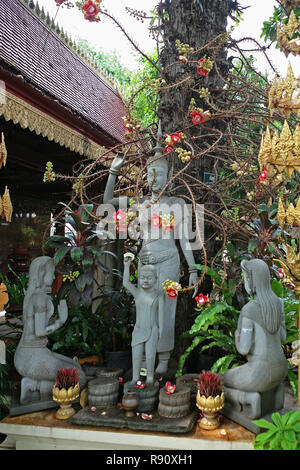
48	63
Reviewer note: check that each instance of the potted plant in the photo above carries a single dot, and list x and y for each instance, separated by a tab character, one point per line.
210	399
65	391
78	255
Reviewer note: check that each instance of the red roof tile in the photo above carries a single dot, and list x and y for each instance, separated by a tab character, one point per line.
45	61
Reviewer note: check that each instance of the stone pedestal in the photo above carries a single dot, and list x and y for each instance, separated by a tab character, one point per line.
175	405
103	392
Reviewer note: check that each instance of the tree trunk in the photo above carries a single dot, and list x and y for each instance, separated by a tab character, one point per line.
193	22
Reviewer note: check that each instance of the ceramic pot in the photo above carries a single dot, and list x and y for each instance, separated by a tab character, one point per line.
210	407
65	397
130	403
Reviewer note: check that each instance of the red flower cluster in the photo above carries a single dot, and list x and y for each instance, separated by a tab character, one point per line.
171	140
91	10
204	66
66	378
264	175
197	117
210	384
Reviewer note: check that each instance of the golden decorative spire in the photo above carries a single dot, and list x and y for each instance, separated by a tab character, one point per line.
284	95
280	152
285	34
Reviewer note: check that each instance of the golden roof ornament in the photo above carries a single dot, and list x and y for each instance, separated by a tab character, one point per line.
285	34
284	95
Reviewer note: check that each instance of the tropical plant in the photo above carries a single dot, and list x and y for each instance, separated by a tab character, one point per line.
16	289
78	255
283	433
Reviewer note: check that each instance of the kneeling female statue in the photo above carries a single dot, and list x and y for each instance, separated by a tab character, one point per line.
33	360
256	388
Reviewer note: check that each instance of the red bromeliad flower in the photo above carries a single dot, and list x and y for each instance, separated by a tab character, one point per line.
201	299
91	10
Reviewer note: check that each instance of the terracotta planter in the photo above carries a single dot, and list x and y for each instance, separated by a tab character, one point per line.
210	407
130	403
65	397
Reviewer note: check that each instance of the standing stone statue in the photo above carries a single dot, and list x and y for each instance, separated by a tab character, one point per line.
149	319
255	388
33	360
158	247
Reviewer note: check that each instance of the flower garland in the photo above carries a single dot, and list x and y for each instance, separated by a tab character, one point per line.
172	288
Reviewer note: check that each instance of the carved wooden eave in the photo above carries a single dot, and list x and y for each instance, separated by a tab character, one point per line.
28	117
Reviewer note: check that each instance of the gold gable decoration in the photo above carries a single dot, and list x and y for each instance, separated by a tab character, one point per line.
289	215
285	34
28	117
280	152
284	95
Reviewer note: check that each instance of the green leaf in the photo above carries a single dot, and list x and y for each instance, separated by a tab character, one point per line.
252	245
294	416
263	423
87	263
222	364
76	254
60	254
276	417
80	283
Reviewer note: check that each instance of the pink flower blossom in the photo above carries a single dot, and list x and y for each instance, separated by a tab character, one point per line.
201	299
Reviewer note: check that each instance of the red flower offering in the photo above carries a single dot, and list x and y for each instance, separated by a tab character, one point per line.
172	293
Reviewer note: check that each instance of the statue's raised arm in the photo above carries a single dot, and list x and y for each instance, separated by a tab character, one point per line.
114	172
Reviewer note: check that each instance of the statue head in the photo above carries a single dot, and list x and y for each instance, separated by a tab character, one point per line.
147	276
158	172
257	281
41	273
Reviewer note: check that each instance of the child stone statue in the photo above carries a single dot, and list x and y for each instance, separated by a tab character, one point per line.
149	312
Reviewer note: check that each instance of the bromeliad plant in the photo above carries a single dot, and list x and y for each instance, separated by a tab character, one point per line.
77	255
210	384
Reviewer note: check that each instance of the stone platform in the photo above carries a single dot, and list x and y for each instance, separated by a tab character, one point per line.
42	430
115	417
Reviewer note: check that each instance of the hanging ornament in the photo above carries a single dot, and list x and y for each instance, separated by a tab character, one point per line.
7	208
3	151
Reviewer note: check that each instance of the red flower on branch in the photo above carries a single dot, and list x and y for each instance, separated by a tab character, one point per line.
176	137
156	221
172	293
168	149
197	117
280	273
201	299
91	10
264	175
119	215
182	59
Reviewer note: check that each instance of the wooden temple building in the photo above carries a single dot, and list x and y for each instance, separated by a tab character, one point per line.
55	105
